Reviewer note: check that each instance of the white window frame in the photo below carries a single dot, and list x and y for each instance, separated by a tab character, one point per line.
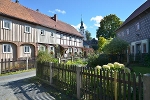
70	37
7	50
42	32
8	22
70	49
61	36
27	31
137	26
51	48
44	48
52	34
28	49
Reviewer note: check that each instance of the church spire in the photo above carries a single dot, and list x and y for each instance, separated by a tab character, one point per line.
81	27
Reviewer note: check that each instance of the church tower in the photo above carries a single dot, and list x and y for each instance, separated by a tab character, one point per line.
82	31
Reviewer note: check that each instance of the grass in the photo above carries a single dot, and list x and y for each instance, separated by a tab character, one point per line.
140	69
17	72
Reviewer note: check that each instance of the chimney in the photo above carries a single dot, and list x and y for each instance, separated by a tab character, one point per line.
37	10
17	1
54	17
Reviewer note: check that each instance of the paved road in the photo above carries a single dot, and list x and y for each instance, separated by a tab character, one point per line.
18	87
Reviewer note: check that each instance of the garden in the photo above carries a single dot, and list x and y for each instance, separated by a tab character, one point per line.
105	72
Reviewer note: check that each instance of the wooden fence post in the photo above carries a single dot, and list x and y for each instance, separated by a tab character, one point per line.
51	72
27	63
78	79
146	87
1	67
59	60
115	84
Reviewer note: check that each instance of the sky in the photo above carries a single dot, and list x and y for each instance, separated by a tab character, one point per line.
91	11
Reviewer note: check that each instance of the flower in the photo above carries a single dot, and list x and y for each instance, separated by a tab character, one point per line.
117	65
122	66
126	70
106	67
98	67
110	65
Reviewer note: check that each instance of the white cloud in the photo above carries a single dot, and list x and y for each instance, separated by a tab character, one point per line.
97	20
51	11
78	26
57	10
60	11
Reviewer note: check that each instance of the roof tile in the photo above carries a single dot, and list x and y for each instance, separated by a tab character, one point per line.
18	11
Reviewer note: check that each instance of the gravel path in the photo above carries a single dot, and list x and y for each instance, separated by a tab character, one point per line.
18	87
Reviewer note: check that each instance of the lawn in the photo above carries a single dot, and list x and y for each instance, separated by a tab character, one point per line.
142	70
137	68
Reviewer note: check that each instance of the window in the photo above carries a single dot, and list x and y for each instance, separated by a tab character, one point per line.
51	48
137	26
42	48
52	34
6	24
75	39
144	48
27	29
122	33
127	31
75	49
70	38
61	36
26	49
7	48
42	32
70	49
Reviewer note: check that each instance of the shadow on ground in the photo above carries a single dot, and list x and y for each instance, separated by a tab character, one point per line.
32	89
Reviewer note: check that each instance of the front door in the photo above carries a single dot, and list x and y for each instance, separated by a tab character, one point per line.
138	48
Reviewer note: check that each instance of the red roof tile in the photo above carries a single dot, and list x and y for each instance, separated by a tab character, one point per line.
18	11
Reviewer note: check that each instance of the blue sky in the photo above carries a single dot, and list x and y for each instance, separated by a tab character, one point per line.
92	11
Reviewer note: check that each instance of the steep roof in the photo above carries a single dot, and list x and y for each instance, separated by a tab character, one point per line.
18	11
137	12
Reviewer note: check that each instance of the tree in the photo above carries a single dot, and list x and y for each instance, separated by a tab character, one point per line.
101	42
108	25
114	46
88	35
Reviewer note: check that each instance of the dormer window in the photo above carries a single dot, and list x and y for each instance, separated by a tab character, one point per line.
137	26
6	24
42	32
27	29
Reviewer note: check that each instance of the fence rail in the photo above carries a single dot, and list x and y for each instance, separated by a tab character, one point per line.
91	84
11	65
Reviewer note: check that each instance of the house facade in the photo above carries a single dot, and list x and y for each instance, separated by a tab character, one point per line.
136	30
24	31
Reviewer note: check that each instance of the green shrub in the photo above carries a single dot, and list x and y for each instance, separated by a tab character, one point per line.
94	60
76	62
45	56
